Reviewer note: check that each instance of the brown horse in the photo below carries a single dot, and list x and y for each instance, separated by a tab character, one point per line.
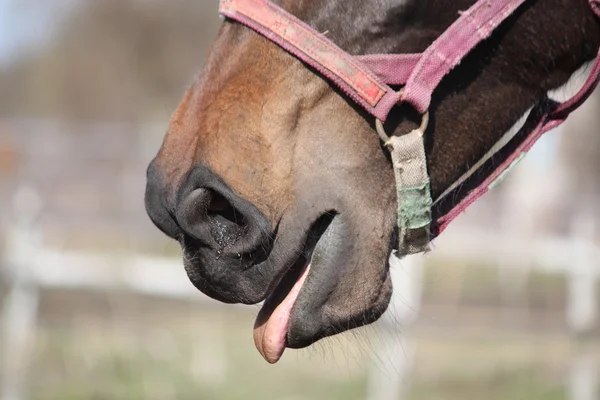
268	168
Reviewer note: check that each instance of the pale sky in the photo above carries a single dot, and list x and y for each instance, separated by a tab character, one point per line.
27	24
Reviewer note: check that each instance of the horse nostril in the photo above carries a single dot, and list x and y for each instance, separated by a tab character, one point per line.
214	218
218	204
221	210
210	218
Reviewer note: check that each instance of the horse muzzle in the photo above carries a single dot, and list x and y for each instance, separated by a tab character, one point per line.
222	235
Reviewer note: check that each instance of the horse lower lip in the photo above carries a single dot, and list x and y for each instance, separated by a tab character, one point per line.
271	325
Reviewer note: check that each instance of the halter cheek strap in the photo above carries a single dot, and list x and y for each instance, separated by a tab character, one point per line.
366	80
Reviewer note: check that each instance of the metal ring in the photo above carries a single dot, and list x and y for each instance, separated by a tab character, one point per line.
386	139
381	131
424	123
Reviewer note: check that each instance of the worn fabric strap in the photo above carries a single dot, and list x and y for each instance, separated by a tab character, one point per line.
346	71
393	69
474	25
549	121
422	73
366	79
413	192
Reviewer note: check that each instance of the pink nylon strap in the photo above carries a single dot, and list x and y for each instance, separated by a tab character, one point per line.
393	69
422	73
474	25
362	85
366	78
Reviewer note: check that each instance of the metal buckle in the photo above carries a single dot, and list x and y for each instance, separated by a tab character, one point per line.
413	187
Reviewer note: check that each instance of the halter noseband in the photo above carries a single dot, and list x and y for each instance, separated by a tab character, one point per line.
366	80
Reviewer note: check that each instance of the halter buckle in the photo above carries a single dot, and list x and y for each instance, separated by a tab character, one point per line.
413	188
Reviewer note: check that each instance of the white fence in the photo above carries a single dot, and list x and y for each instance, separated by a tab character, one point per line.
30	267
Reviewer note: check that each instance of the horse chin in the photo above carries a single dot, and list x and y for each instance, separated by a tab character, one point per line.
297	313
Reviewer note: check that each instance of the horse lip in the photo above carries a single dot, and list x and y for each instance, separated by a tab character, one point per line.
309	319
292	274
284	285
275	313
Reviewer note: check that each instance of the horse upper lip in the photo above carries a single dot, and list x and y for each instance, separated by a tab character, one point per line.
295	270
315	233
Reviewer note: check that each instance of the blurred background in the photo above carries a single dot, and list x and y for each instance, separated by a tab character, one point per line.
94	301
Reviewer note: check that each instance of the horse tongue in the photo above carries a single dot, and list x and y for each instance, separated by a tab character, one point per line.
271	326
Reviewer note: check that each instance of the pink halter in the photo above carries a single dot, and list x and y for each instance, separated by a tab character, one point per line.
366	80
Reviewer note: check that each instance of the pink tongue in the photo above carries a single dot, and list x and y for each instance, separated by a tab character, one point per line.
270	331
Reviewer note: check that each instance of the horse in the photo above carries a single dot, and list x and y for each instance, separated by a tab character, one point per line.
273	180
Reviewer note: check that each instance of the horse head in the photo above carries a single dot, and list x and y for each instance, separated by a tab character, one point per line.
275	184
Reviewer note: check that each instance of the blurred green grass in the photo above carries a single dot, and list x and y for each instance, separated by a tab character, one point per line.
471	343
91	361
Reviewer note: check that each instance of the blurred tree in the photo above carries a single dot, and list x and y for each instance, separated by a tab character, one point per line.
113	59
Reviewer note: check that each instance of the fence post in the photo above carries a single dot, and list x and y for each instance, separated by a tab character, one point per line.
388	377
582	379
19	314
582	308
517	224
